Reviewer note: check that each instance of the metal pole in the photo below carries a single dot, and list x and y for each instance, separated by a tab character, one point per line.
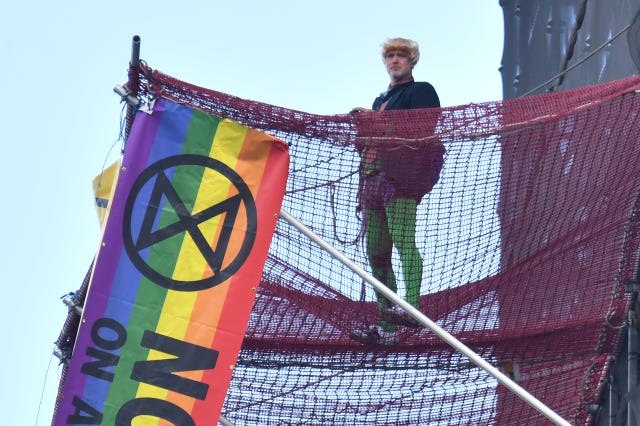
612	411
424	320
224	422
135	51
632	360
133	84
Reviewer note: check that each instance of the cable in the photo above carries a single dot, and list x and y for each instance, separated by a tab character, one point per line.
44	386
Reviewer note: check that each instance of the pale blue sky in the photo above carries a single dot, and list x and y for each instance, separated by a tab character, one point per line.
60	117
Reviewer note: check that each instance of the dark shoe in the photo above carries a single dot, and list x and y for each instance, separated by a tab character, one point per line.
398	316
375	335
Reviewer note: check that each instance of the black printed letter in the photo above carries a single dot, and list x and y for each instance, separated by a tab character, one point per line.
91	415
190	357
155	408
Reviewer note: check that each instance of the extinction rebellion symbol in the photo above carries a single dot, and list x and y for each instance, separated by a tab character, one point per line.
159	217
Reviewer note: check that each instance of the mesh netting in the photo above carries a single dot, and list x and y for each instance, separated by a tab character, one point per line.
527	241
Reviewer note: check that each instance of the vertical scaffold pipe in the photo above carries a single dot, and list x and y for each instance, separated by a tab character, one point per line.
135	52
133	85
633	346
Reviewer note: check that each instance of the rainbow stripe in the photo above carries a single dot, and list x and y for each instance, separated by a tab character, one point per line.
190	225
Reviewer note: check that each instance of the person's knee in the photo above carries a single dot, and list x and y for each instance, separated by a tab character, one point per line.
381	260
406	247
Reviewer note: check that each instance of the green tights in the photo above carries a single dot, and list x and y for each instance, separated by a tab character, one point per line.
395	225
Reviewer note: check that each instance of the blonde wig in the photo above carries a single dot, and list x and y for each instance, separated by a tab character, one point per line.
409	46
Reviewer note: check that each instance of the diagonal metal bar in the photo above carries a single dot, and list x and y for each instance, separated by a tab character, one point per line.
424	320
224	422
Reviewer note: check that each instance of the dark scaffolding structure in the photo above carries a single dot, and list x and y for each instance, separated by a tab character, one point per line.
552	46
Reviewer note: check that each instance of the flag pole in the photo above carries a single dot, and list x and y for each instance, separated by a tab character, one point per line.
424	320
133	85
135	52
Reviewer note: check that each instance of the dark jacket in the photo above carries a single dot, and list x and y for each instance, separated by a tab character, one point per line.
409	95
412	170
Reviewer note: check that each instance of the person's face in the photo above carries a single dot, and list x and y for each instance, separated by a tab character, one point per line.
398	64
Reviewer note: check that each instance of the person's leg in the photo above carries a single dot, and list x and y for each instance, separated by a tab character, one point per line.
401	214
379	249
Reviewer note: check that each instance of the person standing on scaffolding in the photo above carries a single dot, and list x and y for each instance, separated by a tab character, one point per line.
391	188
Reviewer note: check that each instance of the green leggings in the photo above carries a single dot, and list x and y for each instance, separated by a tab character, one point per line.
395	225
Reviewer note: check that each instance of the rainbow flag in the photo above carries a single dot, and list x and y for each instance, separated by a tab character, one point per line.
192	217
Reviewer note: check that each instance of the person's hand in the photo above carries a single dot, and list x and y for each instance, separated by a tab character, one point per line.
360	109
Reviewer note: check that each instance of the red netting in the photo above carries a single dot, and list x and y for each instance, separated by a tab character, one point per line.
527	242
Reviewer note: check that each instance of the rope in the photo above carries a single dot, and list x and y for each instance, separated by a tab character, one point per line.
359	236
562	73
44	386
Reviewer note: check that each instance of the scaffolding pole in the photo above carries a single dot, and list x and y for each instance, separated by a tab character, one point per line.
633	346
424	320
133	85
224	422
